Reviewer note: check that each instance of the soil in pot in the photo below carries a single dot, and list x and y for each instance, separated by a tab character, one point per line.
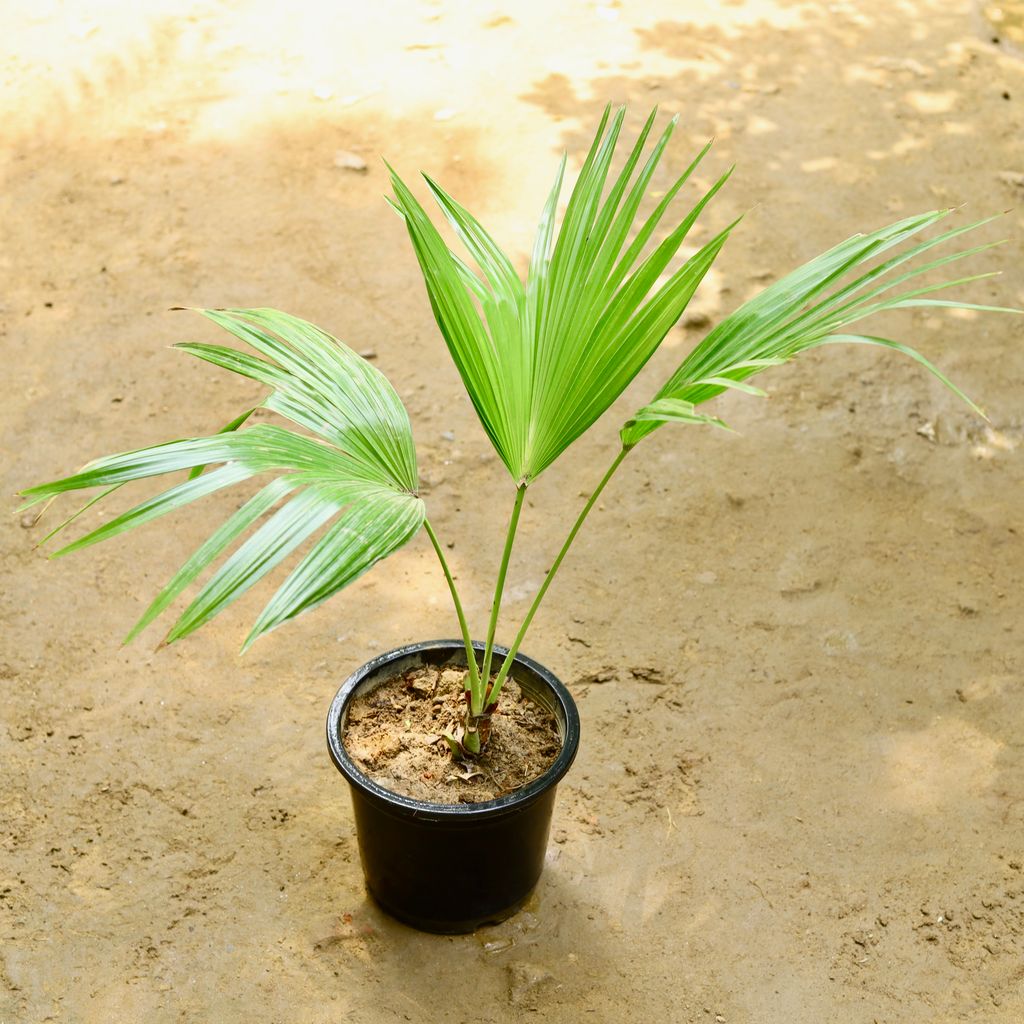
394	735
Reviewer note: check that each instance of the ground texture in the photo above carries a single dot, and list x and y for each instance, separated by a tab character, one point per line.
796	651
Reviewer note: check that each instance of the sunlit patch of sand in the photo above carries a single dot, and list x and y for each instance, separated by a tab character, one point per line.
945	764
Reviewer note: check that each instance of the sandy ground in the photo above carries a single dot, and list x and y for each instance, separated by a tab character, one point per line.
797	652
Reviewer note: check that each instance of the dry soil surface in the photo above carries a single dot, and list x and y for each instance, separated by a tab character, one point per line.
797	651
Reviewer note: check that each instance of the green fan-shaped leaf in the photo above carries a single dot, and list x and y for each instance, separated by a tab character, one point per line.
542	361
810	307
207	552
168	501
329	389
363	535
359	468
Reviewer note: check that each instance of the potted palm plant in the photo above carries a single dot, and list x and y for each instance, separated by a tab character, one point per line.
541	359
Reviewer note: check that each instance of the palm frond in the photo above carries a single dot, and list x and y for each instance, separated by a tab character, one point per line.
366	533
207	552
543	360
810	307
359	469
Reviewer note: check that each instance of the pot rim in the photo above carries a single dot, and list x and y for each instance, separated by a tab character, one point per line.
452	812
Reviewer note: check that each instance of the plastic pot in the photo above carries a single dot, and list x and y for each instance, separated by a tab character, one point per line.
450	868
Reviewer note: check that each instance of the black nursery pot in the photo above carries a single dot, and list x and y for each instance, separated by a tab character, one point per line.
450	868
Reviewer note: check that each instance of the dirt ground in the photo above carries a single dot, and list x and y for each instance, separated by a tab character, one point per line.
796	651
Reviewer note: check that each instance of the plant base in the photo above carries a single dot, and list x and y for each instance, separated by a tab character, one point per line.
451	868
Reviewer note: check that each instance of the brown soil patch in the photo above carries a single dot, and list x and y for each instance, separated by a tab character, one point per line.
394	733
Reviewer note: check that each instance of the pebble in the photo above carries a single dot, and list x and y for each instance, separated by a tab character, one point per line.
498	945
799	573
368	353
902	64
422	686
524	979
349	161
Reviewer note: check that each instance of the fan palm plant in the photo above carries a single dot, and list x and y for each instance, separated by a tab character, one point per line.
541	359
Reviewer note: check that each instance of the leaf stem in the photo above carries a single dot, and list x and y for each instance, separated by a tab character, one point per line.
514	649
475	687
499	587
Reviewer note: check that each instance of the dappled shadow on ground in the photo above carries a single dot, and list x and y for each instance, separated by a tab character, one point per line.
886	129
